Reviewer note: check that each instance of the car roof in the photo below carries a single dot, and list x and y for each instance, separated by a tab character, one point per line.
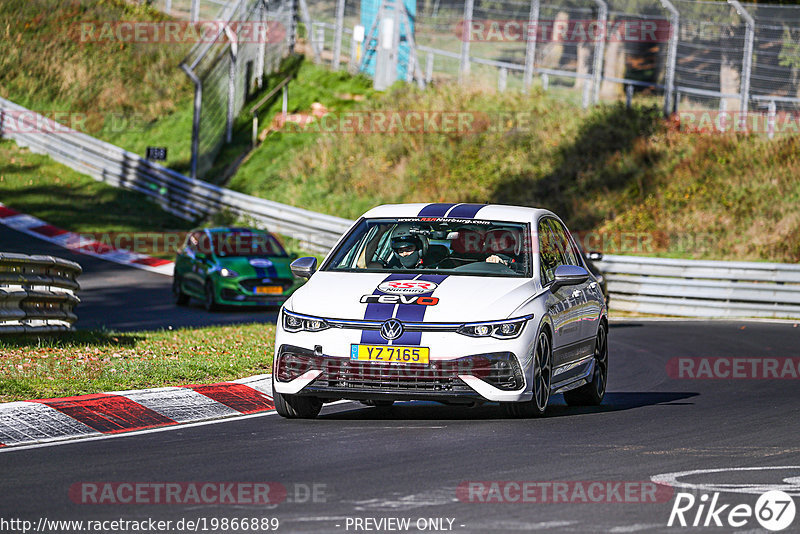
492	212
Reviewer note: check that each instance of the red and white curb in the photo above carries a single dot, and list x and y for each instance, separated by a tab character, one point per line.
87	416
76	243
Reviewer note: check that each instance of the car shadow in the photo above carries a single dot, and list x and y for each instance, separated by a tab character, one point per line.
432	411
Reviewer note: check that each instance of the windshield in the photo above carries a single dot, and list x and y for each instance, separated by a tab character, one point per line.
240	244
457	246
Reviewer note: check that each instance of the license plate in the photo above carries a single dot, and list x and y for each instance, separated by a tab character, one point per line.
269	290
389	354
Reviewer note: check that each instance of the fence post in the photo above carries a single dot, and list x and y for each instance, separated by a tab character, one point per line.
233	38
628	96
463	71
530	45
545	81
195	13
747	60
198	105
337	38
304	13
429	68
599	49
672	55
502	79
263	36
168	7
771	119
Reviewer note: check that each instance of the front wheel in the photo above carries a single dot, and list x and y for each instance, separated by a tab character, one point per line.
592	393
542	376
180	298
296	406
210	301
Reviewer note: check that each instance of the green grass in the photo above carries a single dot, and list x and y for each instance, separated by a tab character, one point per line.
131	94
79	363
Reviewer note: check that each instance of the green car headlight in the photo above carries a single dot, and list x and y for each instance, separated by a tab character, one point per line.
228	273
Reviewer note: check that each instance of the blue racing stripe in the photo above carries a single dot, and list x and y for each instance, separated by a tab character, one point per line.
435	210
377	311
465	211
415	313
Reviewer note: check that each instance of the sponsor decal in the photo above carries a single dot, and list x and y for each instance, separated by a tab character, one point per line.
442	219
407	287
399	299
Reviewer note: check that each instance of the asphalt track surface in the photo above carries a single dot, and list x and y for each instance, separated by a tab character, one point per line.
123	298
409	460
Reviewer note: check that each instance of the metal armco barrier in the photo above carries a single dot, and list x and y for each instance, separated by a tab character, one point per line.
37	293
178	194
696	288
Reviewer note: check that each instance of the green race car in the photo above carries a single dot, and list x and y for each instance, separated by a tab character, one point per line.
233	266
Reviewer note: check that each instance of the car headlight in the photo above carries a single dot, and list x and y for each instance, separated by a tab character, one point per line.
506	329
228	273
294	322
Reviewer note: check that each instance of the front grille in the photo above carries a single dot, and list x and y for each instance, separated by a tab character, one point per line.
500	370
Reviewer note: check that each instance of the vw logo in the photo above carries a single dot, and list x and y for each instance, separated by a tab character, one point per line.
391	329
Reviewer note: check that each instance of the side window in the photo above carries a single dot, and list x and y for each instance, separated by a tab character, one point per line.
549	255
564	244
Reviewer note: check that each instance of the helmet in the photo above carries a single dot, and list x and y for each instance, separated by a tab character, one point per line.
403	236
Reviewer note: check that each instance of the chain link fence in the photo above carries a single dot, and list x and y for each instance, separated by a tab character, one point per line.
693	54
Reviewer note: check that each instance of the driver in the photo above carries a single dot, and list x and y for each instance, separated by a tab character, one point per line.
408	247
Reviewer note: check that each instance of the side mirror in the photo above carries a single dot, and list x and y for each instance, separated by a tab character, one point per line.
569	275
595	256
304	267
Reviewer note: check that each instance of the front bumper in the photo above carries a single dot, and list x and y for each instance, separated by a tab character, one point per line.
495	377
241	291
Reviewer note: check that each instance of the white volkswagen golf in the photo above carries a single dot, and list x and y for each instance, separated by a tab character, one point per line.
456	303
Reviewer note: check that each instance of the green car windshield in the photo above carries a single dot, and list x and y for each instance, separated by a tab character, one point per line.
240	244
446	246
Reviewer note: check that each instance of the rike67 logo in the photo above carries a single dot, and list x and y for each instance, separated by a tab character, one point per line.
774	510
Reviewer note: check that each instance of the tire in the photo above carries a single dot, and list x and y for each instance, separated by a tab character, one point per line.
592	393
210	301
296	406
180	298
542	379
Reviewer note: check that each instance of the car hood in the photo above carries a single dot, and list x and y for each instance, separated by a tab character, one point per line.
460	298
257	267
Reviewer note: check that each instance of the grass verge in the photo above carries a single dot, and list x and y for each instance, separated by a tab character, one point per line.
84	362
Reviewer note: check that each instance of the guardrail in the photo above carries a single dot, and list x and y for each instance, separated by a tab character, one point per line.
37	293
178	194
696	288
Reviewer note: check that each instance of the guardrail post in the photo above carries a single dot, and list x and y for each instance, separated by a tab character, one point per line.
747	61
502	79
628	96
530	45
585	99
195	12
198	106
234	52
545	82
672	56
168	7
463	70
337	38
599	49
